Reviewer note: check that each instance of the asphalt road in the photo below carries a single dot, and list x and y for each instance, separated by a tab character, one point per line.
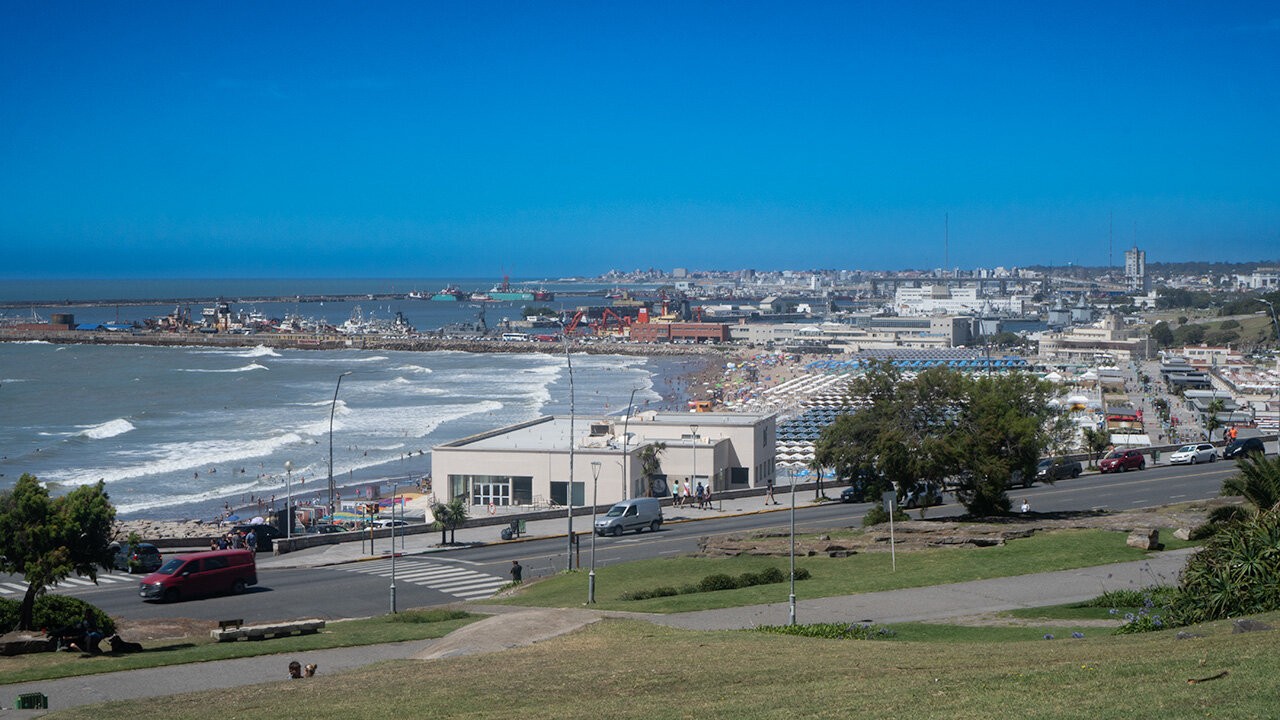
363	588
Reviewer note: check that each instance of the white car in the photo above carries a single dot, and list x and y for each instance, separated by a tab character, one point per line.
1192	454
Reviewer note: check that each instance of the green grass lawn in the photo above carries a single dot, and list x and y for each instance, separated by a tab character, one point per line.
410	625
869	572
629	669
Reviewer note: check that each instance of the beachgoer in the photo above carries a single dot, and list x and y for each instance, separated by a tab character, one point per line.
706	496
517	572
697	493
1026	505
675	494
251	541
768	493
89	634
685	492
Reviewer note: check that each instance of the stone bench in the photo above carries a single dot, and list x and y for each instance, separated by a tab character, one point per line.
262	632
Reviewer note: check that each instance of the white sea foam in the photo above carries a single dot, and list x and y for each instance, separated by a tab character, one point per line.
246	368
415	369
259	351
108	429
179	457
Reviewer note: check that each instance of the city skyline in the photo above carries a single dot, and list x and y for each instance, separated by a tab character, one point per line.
569	139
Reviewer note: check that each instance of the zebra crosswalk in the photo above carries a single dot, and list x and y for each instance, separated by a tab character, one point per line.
17	587
452	580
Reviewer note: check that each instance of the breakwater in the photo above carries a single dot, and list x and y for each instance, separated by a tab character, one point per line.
417	343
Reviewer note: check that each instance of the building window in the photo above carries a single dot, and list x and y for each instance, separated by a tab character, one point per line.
558	493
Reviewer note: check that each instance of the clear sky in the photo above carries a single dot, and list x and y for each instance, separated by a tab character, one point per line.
544	139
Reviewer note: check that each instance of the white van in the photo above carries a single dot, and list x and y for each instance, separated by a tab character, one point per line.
635	514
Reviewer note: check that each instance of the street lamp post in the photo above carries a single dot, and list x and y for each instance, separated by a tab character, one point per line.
288	499
394	488
693	429
626	479
333	408
591	576
1274	321
572	442
792	599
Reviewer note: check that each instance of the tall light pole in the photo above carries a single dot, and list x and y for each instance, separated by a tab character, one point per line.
1274	321
591	576
288	500
792	599
333	408
572	441
693	430
626	479
394	488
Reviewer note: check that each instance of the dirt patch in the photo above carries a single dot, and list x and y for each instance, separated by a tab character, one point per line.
950	532
163	629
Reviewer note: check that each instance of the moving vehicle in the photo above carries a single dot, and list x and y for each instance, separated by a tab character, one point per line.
1122	461
1049	469
326	528
203	573
143	557
1192	454
386	523
1243	446
635	514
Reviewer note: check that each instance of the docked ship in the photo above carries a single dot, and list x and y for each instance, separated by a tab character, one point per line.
505	292
450	294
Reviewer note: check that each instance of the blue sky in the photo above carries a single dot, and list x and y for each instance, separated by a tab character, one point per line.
544	139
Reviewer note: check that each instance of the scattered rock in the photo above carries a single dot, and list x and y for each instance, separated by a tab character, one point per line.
1245	625
1144	539
1184	635
1182	533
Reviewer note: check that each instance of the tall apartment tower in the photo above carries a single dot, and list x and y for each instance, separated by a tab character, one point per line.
1135	271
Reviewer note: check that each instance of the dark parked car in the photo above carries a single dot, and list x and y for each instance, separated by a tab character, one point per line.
1051	470
1122	461
1243	446
326	528
143	557
266	534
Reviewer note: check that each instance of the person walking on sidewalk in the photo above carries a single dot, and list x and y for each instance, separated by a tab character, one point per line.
768	493
517	572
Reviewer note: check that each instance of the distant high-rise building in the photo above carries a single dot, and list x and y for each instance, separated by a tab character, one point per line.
679	273
1135	271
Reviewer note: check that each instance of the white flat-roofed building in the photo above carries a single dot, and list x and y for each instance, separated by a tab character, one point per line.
527	465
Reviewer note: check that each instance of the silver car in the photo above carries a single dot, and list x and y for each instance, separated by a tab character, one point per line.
1192	454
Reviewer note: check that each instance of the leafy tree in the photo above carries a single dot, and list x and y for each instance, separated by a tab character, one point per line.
450	516
1211	421
48	539
1162	334
1229	324
651	464
1189	334
899	436
1095	442
1004	424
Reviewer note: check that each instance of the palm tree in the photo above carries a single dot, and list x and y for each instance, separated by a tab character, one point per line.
1095	441
1211	421
1258	482
650	464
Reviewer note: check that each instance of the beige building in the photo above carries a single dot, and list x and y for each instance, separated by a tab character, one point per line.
530	464
1106	341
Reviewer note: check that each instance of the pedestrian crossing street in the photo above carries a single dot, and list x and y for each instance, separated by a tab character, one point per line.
17	587
452	580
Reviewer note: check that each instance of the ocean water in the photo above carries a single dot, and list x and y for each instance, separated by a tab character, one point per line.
178	432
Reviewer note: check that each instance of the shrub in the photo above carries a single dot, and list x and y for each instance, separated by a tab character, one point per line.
833	631
876	515
1235	574
718	581
54	611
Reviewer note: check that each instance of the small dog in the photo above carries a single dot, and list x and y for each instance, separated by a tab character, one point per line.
120	645
310	670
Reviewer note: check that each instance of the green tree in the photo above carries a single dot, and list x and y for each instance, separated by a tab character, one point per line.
1192	334
1162	334
450	516
1004	424
650	464
48	539
1211	421
1095	442
898	436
